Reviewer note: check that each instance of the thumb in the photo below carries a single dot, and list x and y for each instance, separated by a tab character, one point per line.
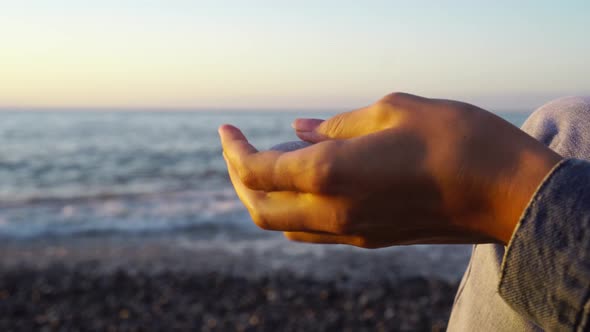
341	126
308	130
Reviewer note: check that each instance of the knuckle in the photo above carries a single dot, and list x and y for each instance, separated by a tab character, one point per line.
393	98
322	177
401	100
247	177
323	171
381	114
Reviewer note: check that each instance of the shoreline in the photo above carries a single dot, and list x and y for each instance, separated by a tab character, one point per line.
241	254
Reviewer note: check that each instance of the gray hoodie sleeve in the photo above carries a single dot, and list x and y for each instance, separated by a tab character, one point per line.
546	268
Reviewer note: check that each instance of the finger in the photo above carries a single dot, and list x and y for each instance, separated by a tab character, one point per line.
379	238
281	211
305	129
306	124
247	196
341	126
318	238
300	171
251	168
369	241
233	137
359	122
289	211
294	212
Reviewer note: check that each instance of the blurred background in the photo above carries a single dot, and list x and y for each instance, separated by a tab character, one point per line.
116	211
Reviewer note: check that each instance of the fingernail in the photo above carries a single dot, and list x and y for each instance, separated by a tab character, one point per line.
225	131
221	129
306	125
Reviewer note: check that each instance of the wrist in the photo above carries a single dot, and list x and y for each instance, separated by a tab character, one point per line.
534	163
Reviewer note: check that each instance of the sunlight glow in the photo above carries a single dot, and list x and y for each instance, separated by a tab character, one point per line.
230	54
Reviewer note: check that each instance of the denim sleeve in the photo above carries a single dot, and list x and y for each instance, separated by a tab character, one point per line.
546	268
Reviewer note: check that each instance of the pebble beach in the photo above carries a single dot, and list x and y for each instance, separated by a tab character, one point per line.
160	286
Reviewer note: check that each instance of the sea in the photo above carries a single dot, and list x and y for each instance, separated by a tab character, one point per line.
66	174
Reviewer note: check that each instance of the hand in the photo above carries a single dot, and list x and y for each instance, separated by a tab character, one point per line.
404	170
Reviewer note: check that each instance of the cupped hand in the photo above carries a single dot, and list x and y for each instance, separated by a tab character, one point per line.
404	170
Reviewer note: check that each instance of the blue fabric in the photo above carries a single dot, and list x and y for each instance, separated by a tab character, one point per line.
544	280
546	271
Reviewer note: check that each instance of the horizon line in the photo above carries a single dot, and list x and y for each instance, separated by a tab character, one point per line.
70	109
161	109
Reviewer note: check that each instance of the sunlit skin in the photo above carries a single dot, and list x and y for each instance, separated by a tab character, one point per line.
405	170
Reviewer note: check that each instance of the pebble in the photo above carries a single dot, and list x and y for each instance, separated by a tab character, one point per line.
79	298
291	146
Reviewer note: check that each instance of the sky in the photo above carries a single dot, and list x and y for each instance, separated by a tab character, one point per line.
275	55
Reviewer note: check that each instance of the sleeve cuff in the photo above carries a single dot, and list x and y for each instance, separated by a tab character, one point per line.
545	273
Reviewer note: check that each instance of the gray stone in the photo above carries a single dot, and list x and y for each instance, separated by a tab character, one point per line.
290	146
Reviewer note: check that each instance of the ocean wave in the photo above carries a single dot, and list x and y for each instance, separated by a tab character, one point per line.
160	185
206	210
